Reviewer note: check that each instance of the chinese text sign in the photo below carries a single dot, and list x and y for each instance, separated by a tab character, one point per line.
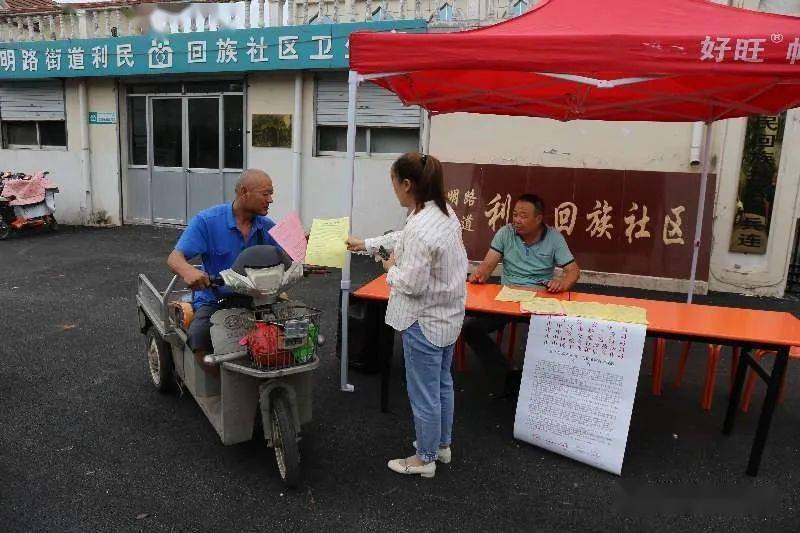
630	222
320	46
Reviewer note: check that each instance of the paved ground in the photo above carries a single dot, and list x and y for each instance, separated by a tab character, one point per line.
87	445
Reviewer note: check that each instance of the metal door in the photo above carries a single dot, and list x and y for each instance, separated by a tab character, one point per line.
203	149
180	139
168	186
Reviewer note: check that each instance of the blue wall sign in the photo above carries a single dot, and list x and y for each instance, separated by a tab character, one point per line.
318	46
100	117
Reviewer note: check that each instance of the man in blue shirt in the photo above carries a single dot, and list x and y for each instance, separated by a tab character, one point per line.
530	250
218	234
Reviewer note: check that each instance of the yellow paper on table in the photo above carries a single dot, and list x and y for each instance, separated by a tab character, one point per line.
326	244
542	306
584	309
629	314
612	312
507	294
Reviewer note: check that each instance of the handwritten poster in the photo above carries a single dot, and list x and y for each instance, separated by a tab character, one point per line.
578	387
326	244
289	233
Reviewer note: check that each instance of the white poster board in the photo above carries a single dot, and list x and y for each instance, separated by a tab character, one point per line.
578	386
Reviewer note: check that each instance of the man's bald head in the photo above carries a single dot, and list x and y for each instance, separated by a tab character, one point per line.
251	179
254	191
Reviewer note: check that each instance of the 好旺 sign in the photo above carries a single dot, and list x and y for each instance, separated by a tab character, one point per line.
321	46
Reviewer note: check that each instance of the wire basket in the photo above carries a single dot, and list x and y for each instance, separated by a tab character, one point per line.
284	338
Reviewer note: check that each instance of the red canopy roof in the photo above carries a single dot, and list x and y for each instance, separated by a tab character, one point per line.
574	59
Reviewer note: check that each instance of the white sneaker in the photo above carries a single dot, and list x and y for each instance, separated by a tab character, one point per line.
402	467
443	455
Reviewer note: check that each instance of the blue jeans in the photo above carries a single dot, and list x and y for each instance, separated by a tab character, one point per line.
430	390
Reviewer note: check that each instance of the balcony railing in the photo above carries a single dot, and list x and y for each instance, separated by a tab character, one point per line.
445	15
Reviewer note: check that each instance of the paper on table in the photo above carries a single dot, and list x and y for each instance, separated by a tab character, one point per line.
326	245
584	309
507	294
612	312
629	314
542	306
291	236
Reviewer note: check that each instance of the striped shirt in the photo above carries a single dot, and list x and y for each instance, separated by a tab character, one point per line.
428	281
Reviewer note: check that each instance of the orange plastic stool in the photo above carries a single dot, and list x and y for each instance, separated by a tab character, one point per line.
659	347
750	384
459	353
512	326
714	354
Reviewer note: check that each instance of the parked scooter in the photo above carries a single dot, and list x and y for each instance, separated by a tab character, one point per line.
35	210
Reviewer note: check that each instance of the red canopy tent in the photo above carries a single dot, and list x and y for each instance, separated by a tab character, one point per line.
664	60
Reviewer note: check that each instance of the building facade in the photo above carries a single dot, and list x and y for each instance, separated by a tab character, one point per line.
145	114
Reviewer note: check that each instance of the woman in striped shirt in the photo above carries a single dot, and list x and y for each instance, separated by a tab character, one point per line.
426	273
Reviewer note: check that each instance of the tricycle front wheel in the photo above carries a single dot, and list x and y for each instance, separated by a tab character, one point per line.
284	440
159	361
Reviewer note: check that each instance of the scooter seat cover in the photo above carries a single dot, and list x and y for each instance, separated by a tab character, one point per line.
28	192
261	256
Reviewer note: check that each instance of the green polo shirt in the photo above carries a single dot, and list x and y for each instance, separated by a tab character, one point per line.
534	264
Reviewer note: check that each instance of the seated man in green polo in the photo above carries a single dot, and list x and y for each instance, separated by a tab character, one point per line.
530	250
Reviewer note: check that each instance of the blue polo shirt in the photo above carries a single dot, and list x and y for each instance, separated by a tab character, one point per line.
212	234
534	264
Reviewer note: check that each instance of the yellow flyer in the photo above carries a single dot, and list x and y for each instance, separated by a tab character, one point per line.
508	294
542	306
326	244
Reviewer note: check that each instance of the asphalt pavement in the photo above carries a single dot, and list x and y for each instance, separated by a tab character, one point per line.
87	444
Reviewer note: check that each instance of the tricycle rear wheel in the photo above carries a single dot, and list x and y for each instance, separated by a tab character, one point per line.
159	361
284	440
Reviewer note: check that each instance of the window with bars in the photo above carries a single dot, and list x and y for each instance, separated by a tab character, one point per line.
380	14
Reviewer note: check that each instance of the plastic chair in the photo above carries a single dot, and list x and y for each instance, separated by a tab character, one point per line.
512	326
659	347
750	383
714	354
459	353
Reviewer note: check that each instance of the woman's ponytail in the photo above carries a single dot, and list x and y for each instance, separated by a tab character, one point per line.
425	174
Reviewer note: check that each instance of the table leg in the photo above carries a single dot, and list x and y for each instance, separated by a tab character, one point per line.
764	421
736	392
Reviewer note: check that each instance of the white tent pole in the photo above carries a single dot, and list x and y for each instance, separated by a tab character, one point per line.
353	81
701	204
426	147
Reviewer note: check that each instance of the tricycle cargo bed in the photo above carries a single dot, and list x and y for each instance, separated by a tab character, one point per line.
153	305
